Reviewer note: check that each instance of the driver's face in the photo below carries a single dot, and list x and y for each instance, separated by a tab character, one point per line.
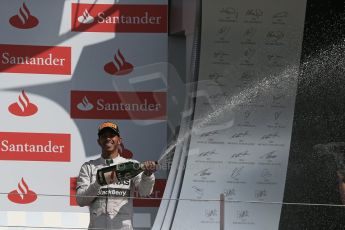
109	141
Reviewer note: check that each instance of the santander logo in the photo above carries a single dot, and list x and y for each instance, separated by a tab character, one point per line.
24	19
118	105
126	18
35	59
85	105
23	107
119	66
86	18
22	195
20	146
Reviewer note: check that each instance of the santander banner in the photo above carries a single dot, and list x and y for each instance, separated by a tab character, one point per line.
118	105
50	50
35	146
119	18
35	59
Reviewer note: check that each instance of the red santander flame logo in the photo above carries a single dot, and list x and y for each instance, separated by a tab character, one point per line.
24	19
120	66
86	18
23	107
22	195
85	105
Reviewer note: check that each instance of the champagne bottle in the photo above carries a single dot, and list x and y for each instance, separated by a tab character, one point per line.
119	172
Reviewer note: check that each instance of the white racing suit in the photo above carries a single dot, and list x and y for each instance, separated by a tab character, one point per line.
111	206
